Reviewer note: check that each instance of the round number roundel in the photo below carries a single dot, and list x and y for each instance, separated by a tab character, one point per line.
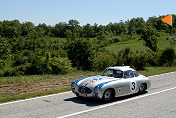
133	86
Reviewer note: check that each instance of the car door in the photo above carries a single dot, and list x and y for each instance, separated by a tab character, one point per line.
131	82
123	87
138	79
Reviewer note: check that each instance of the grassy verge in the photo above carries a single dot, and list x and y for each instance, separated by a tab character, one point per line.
37	78
31	95
157	70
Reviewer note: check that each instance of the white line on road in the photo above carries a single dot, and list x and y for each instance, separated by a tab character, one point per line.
115	103
62	93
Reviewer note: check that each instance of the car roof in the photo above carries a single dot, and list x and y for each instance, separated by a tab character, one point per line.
121	68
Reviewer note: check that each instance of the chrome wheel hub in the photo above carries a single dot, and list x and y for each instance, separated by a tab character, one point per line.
108	94
142	87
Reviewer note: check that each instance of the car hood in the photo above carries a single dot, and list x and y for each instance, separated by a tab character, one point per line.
93	81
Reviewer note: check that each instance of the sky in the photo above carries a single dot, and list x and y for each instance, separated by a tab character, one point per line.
101	12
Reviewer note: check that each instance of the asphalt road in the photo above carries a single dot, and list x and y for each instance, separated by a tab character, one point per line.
158	102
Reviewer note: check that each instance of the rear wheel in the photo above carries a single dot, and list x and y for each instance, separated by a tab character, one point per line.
108	95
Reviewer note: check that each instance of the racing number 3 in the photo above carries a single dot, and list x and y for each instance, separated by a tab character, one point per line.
133	86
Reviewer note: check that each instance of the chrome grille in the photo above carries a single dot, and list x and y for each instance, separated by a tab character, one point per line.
84	89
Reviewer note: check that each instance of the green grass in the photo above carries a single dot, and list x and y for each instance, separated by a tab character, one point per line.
157	70
31	95
137	45
132	44
36	78
149	71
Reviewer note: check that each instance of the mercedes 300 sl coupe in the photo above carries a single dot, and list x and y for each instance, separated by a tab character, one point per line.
114	82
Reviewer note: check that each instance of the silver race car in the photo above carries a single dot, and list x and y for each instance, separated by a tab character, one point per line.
114	82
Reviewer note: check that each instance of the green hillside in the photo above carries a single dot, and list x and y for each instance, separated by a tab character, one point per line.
137	45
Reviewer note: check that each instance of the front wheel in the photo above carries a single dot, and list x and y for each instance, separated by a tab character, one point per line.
142	88
108	95
78	96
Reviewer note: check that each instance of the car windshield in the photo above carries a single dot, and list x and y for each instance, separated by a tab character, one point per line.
113	73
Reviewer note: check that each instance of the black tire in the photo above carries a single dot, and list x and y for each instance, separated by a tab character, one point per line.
142	88
108	95
78	96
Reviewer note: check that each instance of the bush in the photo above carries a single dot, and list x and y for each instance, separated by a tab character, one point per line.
138	60
152	58
167	57
149	36
60	65
20	70
102	60
79	52
123	57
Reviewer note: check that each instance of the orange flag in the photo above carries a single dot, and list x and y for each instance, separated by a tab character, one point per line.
168	19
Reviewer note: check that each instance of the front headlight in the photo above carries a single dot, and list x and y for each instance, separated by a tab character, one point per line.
96	89
73	85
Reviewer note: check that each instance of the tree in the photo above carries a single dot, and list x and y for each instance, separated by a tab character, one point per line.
26	28
131	26
59	29
88	31
72	24
167	57
139	25
79	52
149	36
158	24
1	29
102	60
68	34
135	25
44	28
11	28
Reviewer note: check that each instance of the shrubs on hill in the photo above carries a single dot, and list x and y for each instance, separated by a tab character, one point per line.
102	60
61	65
39	65
136	60
140	60
167	57
78	52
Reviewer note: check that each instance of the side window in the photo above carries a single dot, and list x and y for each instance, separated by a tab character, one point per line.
125	74
128	74
131	75
117	74
136	74
108	72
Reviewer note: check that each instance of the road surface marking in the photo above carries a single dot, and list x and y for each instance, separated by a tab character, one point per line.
115	103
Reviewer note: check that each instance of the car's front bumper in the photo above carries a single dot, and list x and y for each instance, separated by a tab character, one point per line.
92	94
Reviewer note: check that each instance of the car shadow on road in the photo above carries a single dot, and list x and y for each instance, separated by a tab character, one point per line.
86	101
96	102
